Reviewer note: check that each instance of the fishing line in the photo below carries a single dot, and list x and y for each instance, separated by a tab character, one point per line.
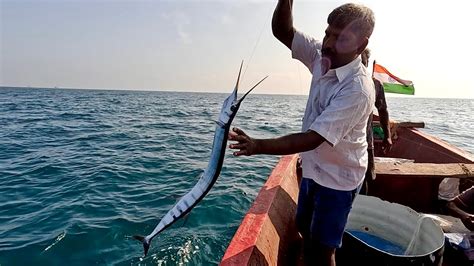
257	42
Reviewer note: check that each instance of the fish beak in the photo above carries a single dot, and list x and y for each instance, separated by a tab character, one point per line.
236	89
236	102
254	86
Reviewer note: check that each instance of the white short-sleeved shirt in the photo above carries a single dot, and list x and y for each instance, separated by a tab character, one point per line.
338	108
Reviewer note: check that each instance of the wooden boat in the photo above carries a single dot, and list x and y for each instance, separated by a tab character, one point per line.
268	236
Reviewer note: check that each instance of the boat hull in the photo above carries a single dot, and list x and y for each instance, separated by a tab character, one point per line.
267	235
420	194
268	230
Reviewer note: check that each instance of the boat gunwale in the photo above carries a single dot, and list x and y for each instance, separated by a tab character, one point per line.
457	155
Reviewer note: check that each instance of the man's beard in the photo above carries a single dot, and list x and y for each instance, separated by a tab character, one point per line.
328	58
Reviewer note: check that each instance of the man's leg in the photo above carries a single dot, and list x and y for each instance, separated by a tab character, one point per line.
325	255
304	215
329	219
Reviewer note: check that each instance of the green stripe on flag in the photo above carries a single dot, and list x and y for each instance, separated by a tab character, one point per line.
399	88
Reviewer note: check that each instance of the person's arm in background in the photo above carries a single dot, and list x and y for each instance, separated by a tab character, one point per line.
282	22
462	207
381	106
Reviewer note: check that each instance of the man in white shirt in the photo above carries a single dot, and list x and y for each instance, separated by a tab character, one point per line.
332	143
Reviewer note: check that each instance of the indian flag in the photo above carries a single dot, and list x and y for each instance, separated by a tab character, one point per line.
392	83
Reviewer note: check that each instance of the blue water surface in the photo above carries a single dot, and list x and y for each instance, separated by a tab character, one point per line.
83	170
378	242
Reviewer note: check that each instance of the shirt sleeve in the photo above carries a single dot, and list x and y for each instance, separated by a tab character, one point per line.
305	49
344	112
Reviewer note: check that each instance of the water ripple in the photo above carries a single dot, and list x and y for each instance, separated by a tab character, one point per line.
82	171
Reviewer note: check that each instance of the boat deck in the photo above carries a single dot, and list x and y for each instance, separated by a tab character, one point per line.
267	234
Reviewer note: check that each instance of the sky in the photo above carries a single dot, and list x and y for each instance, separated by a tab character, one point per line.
198	45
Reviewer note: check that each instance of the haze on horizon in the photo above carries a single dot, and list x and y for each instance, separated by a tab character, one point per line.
198	46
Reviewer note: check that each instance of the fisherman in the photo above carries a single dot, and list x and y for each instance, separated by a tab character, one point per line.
381	106
332	144
462	206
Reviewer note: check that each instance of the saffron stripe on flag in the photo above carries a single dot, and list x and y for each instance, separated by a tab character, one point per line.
392	83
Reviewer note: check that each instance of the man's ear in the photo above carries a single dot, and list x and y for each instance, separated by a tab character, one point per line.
363	44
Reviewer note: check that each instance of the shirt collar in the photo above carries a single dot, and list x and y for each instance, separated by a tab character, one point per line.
343	71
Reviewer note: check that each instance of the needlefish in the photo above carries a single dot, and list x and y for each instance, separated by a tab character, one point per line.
207	179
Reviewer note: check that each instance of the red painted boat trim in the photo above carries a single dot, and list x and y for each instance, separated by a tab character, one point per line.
267	230
263	218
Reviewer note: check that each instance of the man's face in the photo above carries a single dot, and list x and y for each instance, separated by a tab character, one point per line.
340	46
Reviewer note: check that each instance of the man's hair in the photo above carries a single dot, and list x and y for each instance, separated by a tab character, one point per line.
360	18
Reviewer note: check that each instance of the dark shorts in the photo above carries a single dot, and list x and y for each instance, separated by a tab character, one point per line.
322	213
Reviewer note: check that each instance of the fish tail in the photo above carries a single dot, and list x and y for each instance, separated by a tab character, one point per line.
145	242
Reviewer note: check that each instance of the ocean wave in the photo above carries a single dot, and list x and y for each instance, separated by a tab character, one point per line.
82	171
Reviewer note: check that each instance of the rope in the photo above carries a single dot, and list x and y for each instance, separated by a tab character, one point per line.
411	245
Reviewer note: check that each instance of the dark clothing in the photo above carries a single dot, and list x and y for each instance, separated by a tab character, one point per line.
380	104
322	213
369	174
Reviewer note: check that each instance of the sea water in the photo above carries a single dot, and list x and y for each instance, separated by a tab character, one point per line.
83	170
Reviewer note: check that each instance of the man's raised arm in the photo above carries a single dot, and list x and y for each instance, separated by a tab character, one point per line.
282	22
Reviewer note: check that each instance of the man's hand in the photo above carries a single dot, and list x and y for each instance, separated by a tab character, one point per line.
386	145
245	144
289	144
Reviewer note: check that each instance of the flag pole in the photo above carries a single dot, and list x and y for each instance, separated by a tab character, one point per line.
373	68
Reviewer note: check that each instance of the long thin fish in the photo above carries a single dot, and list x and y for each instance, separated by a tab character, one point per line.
229	109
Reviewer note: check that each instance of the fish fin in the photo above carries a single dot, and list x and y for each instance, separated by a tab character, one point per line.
145	242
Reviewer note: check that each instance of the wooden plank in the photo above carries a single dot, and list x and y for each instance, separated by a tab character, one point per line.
402	124
431	170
